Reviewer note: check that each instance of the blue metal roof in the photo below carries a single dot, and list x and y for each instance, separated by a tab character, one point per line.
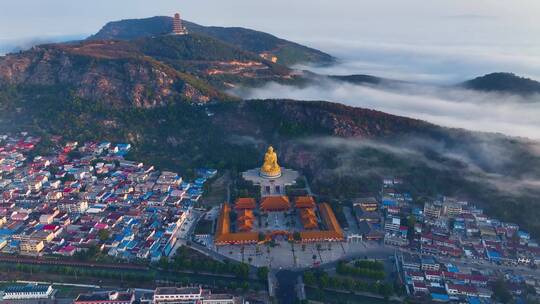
440	297
473	300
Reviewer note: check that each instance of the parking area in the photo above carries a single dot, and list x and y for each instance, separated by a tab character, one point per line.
292	255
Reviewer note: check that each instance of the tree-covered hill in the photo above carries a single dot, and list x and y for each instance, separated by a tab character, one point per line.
143	72
504	83
287	52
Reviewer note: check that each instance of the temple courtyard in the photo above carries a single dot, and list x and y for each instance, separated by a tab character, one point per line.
281	230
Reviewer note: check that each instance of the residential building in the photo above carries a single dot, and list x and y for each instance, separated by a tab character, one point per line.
28	294
392	224
73	206
429	263
432	210
451	208
114	297
30	245
175	295
368	204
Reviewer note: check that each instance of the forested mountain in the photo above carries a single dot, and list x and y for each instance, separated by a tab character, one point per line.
144	72
287	52
504	83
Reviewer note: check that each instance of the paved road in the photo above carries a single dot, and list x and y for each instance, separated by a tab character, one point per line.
184	233
300	288
286	293
272	283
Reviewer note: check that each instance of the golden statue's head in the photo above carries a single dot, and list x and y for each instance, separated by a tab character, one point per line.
270	149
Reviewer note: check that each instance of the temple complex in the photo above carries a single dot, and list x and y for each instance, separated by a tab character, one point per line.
178	27
275	217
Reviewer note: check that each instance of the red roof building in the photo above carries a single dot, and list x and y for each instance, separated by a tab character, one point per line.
245	220
244	203
308	218
223	234
275	203
304	202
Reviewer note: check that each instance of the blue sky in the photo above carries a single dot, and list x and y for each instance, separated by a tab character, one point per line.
460	21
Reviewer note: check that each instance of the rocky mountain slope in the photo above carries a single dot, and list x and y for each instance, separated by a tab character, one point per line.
120	79
260	43
143	72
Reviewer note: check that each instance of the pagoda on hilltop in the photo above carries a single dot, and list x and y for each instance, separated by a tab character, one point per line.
178	27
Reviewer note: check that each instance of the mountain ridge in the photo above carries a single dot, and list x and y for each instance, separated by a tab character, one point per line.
121	77
261	43
144	72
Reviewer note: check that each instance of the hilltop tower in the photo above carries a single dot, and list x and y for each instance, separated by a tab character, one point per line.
178	27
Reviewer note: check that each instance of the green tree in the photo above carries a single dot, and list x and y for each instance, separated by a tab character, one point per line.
104	235
262	273
501	292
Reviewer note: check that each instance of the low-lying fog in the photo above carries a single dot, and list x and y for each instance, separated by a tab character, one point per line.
430	93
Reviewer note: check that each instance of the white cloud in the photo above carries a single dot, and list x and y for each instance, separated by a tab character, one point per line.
442	63
486	159
451	107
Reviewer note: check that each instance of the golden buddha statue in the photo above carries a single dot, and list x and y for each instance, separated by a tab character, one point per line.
270	167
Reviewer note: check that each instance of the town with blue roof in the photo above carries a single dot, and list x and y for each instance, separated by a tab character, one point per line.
87	195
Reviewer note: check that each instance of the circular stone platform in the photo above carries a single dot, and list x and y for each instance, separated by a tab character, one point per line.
271	185
269	176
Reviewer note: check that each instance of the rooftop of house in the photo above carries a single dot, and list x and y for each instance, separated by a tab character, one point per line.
27	288
104	296
177	290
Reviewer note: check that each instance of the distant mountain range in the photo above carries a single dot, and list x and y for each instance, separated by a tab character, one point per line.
506	83
167	95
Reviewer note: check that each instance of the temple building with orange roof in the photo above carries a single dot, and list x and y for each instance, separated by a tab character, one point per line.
245	203
224	236
275	203
333	230
308	218
304	202
245	219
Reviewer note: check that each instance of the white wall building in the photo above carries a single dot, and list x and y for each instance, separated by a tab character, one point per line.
27	292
